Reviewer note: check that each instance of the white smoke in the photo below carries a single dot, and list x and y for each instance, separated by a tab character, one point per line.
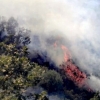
76	21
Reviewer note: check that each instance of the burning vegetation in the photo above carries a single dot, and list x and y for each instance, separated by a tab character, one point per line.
21	69
71	70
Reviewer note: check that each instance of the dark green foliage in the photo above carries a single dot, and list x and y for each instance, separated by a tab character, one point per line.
96	97
15	71
15	67
51	81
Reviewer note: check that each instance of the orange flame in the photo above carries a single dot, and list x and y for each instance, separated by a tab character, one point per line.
72	72
66	53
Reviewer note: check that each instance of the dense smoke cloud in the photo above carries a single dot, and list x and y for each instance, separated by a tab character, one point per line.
76	22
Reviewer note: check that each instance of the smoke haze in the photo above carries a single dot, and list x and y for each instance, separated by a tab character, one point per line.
76	22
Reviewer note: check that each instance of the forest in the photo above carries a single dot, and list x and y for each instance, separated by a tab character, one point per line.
24	78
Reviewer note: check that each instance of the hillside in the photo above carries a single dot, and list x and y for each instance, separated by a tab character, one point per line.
35	77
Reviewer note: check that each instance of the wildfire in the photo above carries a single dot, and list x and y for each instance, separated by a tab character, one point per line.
72	71
66	53
75	74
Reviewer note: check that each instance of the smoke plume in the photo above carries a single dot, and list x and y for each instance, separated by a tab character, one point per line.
73	23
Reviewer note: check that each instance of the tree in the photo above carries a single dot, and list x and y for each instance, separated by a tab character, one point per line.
12	26
3	24
15	66
51	81
35	75
10	32
16	72
96	97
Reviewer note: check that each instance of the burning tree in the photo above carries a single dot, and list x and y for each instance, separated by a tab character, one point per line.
15	66
71	70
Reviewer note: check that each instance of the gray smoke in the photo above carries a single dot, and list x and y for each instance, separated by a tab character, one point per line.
76	22
38	90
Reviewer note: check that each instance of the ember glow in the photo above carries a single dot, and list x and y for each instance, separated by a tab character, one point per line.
75	74
72	71
66	53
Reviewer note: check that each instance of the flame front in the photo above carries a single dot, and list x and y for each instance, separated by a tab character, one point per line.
71	70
